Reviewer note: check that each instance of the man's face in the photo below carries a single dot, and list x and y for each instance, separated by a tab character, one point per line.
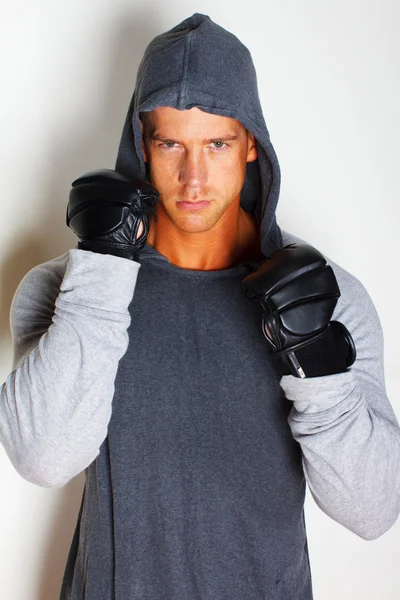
197	162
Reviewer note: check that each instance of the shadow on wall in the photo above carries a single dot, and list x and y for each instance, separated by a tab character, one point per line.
20	260
84	150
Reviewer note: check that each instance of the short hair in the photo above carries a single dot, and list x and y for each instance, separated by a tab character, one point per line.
148	131
144	117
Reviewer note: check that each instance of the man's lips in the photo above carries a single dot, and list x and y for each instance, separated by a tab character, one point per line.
193	205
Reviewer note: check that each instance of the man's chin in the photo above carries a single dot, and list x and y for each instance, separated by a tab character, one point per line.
193	227
192	223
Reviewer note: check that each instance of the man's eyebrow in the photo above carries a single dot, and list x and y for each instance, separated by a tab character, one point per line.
220	138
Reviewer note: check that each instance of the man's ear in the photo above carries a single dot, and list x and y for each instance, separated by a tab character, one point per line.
143	145
252	152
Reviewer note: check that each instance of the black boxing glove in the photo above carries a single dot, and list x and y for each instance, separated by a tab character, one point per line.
298	292
105	210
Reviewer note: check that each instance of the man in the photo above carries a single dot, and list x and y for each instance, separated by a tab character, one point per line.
156	378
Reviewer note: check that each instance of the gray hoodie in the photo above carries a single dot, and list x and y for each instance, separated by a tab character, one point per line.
156	380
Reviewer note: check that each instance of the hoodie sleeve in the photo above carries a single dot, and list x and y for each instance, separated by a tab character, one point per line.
69	321
348	432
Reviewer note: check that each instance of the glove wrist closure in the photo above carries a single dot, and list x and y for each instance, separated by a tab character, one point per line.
329	352
100	247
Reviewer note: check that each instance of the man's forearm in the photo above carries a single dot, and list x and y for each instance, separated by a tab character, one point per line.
351	452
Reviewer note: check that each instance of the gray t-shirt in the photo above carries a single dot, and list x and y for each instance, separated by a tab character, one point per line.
196	451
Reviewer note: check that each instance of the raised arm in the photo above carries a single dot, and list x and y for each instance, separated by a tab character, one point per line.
69	321
324	333
346	426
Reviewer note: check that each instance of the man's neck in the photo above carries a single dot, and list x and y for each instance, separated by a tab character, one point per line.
229	242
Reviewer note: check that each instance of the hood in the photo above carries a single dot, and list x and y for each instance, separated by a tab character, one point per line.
198	63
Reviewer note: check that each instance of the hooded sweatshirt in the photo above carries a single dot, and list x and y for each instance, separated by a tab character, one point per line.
156	380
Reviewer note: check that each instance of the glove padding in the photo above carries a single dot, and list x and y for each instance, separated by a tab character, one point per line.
105	210
298	292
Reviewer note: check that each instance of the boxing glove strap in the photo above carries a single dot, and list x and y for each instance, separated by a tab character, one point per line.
329	352
100	247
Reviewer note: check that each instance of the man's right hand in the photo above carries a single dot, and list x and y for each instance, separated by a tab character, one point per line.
110	213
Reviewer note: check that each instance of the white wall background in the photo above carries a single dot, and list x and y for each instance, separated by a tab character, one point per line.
329	85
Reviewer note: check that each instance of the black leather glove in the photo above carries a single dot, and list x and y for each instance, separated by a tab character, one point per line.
298	292
105	210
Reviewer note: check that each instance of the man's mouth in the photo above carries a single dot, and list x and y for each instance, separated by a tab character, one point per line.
193	205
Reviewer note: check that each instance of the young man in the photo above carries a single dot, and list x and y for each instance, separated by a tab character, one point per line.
158	380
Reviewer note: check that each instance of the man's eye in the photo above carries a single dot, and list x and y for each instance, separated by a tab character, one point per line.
168	144
217	144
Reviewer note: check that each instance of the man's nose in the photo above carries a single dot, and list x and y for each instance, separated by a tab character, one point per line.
193	170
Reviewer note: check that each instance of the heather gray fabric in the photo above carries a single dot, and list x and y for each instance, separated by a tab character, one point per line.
197	492
196	452
69	329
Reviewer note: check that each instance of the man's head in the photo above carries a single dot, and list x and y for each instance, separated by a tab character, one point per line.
193	157
198	63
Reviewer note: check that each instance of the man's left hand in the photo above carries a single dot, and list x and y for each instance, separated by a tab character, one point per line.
298	292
